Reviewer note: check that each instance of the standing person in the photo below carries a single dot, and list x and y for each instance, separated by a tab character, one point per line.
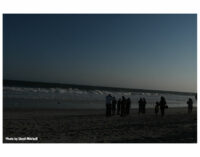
114	102
119	106
162	105
140	102
157	108
123	106
144	105
190	105
126	107
128	104
108	105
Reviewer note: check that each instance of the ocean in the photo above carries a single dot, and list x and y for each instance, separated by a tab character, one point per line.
18	95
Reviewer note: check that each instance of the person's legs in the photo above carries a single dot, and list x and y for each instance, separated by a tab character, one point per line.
118	110
107	110
110	109
113	110
122	111
162	112
139	109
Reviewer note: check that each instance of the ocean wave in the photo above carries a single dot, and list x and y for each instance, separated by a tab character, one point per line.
89	96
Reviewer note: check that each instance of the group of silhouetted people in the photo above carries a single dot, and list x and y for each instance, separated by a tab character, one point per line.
123	106
162	105
111	103
142	105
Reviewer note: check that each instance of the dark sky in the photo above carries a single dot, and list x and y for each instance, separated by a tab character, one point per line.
134	51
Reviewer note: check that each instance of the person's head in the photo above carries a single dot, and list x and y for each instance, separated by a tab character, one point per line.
123	97
120	99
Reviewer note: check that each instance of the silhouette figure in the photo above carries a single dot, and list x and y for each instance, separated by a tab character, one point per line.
162	105
108	105
114	102
119	106
144	105
157	108
190	105
123	106
128	106
140	103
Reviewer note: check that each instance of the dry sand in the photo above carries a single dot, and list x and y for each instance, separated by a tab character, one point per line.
91	126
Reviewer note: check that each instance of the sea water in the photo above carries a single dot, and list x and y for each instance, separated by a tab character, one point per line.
25	97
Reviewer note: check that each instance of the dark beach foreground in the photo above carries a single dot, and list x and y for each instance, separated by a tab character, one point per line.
91	126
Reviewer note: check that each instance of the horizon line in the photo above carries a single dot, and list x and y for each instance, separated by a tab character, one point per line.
123	88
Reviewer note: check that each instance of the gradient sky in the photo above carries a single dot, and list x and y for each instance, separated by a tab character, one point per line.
135	51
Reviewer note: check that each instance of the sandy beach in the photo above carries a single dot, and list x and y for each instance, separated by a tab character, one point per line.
91	126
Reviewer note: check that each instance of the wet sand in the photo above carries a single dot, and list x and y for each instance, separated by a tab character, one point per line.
91	126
